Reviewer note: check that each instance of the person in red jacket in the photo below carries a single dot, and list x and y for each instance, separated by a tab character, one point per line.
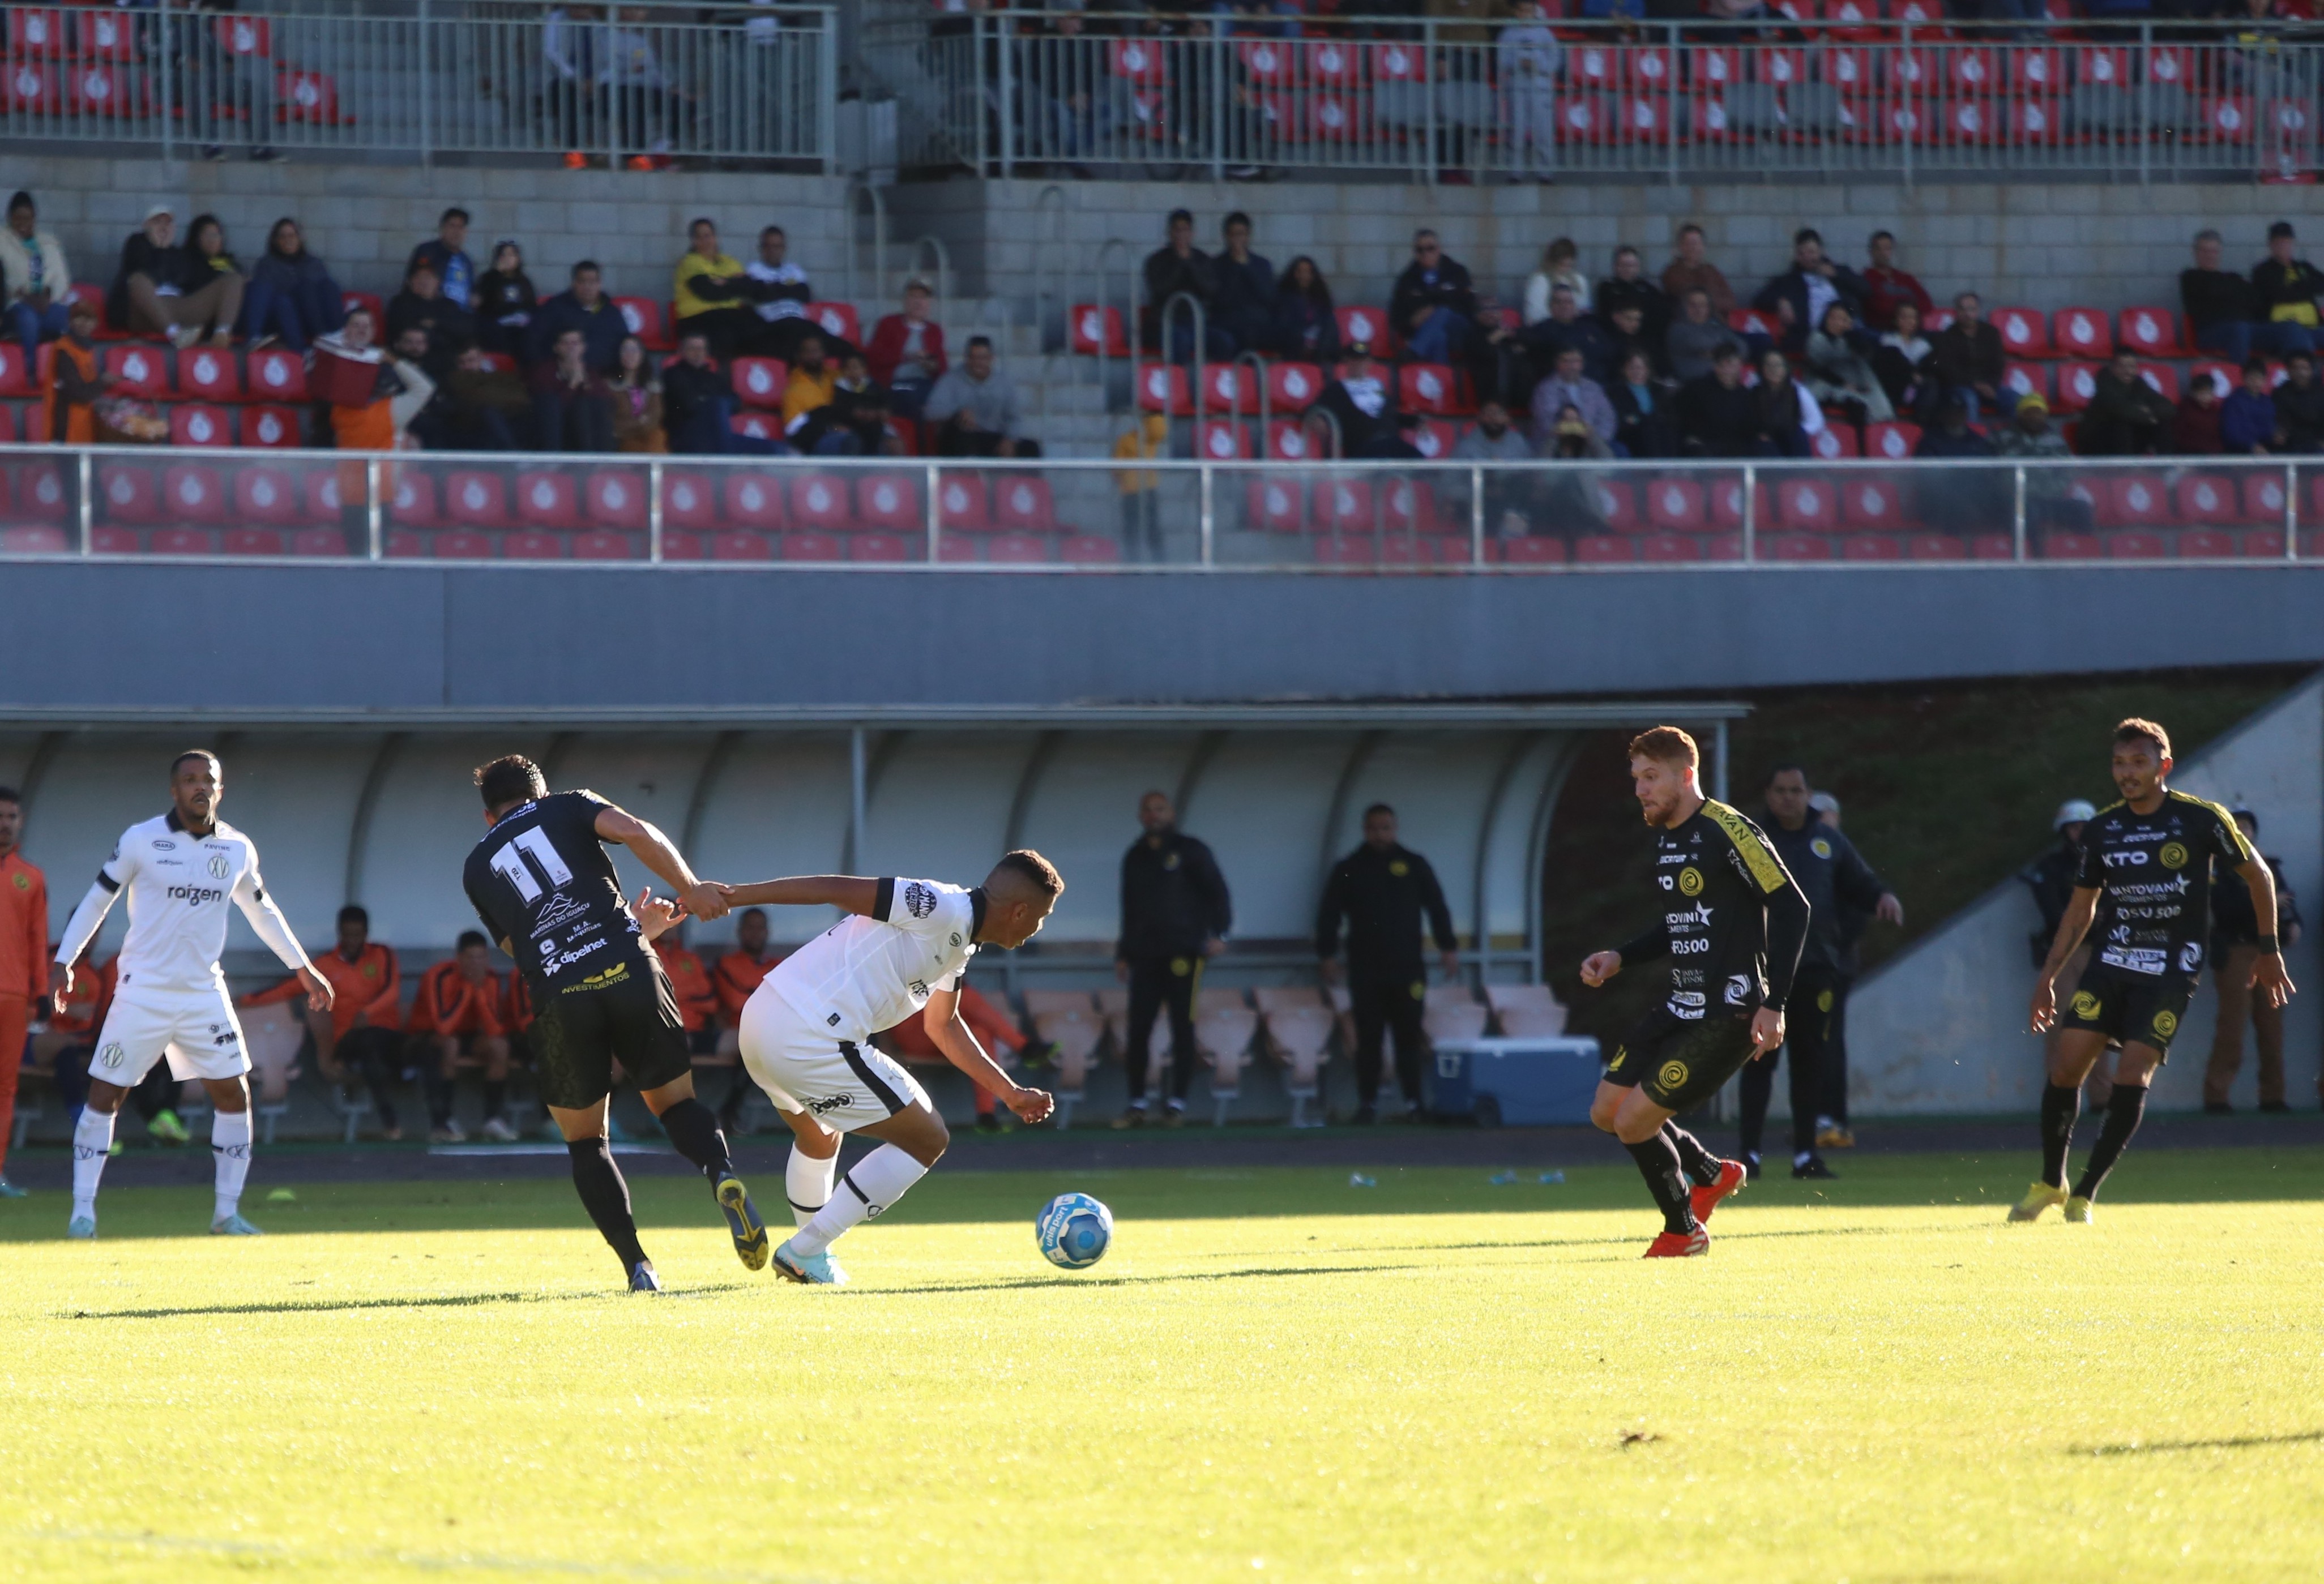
362	1034
998	1032
24	962
458	1011
1887	288
907	352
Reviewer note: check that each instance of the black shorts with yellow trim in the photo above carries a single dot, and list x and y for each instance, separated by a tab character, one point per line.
627	1014
2130	1008
1679	1063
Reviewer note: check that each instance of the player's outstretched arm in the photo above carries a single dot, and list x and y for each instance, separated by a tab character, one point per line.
2269	976
850	893
2081	909
700	897
957	1041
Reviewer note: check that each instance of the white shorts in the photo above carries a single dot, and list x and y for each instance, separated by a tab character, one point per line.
196	1027
842	1085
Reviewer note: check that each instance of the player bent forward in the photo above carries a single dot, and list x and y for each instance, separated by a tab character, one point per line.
179	870
2145	877
807	1031
1733	924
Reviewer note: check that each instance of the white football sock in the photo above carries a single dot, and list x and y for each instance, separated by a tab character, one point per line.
807	1182
230	1136
92	1142
870	1187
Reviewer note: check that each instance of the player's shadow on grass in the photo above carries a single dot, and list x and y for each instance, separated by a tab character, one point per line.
941	1288
335	1306
2225	1443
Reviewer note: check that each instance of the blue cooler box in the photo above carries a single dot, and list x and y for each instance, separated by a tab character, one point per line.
1515	1082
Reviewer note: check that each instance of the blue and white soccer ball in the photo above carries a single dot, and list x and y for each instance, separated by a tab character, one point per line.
1074	1230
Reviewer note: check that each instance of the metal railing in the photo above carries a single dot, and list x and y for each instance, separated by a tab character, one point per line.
1420	97
752	83
127	503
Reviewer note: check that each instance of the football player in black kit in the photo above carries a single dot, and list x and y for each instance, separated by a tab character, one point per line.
547	892
2143	880
1733	923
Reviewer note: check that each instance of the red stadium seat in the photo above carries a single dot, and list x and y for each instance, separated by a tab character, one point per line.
1162	388
1088	550
1408	505
113	541
682	544
1426	387
1834	442
16	379
1726	503
1344	506
687	502
1016	546
39	540
2224	376
252	36
30	87
837	321
1935	547
1332	64
2263	544
2228	119
2162	377
886	549
642	315
1870	502
547	499
1617	504
736	544
1228	387
813	546
2133	500
1667	546
2205	498
40	493
369	302
758	382
193	493
413	504
2154	332
1222	439
477	499
128	491
1277	505
1808	504
1750	321
605	543
143	370
2069	547
1544	550
2263	498
883	499
2136	546
206	374
266	495
1601	548
2025	379
758	425
1293	387
1021	503
1095	329
277	374
615	497
319	493
1675	503
2084	333
252	541
962	504
195	423
2077	384
1287	440
2024	332
2205	544
1369	325
182	541
1434	439
36	34
1334	550
1871	546
270	426
755	500
319	541
99	88
533	544
1891	442
1795	547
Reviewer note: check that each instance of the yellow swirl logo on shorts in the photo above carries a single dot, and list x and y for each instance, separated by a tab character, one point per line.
1673	1075
1823	1002
1180	967
1689	881
1399	869
2173	855
2166	1023
2086	1005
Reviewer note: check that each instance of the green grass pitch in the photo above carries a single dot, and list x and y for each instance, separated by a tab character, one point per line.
1274	1374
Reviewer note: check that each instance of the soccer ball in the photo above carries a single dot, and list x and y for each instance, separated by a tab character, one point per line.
1073	1231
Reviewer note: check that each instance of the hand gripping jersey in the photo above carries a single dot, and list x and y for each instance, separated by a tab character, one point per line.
179	885
866	974
541	882
1714	876
2153	872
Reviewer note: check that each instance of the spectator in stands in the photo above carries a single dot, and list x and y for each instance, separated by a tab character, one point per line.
457	1016
422	305
1511	496
1356	414
1691	268
1180	269
853	422
2195	420
650	104
159	290
505	302
77	382
1951	437
2126	416
362	1035
448	255
1967	358
572	409
1957	501
1798	297
1434	307
571	43
781	291
1694	338
1565	329
698	403
1838	374
634	392
208	262
583	306
1529	57
2248	417
2049	499
1245	307
2227	313
1629	286
398	392
2299	406
812	378
1789	418
290	296
1642	426
34	279
2287	284
1560	265
1570	385
1305	325
1717	413
738	974
977	410
1887	288
1902	363
707	294
482	408
425	427
907	352
1624	329
1141	488
689	982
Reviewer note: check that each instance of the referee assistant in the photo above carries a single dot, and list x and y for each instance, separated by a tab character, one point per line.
1174	914
1384	888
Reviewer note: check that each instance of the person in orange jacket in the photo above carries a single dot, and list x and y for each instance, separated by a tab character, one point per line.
24	963
738	973
998	1032
458	1010
362	1034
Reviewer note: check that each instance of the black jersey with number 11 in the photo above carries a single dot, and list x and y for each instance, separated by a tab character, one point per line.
541	880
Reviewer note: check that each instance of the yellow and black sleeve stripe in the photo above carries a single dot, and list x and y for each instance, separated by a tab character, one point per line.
1758	857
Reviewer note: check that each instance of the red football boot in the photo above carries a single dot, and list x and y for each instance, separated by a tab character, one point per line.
1732	1178
1679	1245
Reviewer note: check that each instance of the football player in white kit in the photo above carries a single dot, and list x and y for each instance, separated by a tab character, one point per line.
180	869
805	1033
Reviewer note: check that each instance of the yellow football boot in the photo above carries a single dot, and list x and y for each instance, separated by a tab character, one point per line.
2040	1197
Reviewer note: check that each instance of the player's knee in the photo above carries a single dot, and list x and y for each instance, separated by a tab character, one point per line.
930	1139
1602	1112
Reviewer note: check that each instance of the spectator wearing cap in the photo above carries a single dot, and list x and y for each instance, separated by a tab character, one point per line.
977	410
34	279
583	306
2126	416
2299	406
2195	420
706	293
291	297
2229	315
2051	878
1569	384
1694	338
1691	269
447	254
1179	269
1798	297
2049	499
162	290
1304	323
1968	361
2287	283
1361	407
2248	417
1433	305
2234	947
907	352
1887	288
1245	307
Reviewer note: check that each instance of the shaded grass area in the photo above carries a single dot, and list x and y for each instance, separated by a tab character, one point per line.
1946	789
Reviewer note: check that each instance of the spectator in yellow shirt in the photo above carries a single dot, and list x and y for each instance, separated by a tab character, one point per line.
812	383
1141	487
708	293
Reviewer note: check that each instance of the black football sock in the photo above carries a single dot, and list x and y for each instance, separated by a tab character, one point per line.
605	1197
2058	1108
495	1098
1658	1164
1702	1166
2122	1118
439	1089
695	1130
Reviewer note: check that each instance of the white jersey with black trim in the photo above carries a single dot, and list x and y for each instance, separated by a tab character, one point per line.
869	973
178	884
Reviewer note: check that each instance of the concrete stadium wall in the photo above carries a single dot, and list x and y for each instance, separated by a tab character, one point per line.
1942	1028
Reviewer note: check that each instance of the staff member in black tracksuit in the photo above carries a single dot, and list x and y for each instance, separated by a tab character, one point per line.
1834	878
1174	914
1383	889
